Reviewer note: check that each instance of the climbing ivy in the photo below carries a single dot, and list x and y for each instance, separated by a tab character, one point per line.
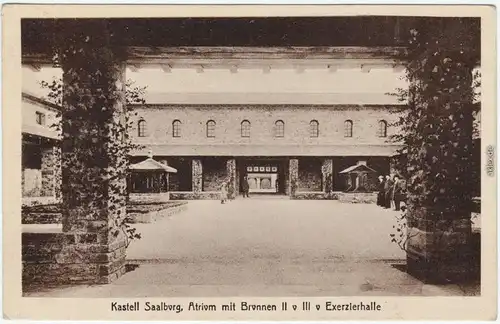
95	128
133	94
437	125
436	122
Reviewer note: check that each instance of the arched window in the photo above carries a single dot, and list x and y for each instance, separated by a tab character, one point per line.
245	128
279	129
176	128
210	128
141	128
348	128
313	128
382	128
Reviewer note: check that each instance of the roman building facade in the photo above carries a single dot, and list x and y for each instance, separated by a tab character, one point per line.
288	119
40	170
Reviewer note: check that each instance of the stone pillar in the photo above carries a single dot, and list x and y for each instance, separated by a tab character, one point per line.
93	159
231	178
438	251
293	176
439	248
23	188
48	170
327	176
286	174
238	176
58	172
197	175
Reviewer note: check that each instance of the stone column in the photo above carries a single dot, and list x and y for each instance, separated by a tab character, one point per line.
58	172
439	246
327	176
23	189
238	175
231	178
286	174
197	175
93	158
293	176
49	164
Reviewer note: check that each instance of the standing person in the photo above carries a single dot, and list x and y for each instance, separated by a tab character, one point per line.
397	193
381	191
246	187
388	191
223	193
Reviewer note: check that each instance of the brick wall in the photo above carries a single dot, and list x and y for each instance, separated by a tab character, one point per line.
228	120
41	214
61	258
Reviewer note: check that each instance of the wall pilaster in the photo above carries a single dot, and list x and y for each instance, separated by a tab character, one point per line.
48	170
197	169
294	176
327	176
231	178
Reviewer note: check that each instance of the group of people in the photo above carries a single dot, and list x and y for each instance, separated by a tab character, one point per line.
224	190
390	192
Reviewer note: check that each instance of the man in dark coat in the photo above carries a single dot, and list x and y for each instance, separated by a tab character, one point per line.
381	191
388	191
246	187
397	194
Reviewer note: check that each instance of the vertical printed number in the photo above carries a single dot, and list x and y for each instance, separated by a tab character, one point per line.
490	160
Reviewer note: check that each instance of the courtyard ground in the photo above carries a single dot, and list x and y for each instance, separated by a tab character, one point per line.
266	247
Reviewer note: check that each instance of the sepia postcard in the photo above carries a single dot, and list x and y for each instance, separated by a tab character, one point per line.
257	162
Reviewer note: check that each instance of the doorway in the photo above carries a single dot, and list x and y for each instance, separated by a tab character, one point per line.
263	182
265	175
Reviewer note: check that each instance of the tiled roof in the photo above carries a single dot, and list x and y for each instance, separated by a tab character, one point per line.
358	168
151	165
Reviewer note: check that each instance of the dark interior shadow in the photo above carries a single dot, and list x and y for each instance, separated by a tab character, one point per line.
129	267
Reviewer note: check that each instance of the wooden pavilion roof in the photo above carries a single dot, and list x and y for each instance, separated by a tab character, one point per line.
152	165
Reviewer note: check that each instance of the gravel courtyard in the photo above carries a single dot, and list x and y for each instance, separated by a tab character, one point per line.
265	247
245	230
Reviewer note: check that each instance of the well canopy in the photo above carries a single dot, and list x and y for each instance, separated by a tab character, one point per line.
358	168
152	165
